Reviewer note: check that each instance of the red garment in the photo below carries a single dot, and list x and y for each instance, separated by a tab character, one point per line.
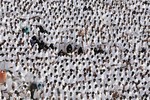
2	76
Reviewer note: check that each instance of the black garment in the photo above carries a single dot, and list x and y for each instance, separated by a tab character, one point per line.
42	45
23	29
85	8
42	29
143	50
52	46
69	48
40	1
32	88
61	53
96	51
80	50
90	8
34	40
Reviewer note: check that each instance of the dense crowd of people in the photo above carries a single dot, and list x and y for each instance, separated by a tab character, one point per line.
75	49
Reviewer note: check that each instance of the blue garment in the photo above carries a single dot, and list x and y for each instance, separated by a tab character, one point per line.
25	30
